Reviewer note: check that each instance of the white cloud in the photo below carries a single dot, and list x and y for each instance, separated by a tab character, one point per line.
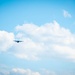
47	72
45	40
4	72
19	71
66	14
6	40
22	71
40	41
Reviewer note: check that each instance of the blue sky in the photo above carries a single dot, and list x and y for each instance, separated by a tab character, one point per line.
47	30
38	12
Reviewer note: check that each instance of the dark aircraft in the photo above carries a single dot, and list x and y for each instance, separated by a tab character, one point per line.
18	41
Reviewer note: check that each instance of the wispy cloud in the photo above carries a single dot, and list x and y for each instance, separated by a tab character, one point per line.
66	14
22	71
47	72
19	71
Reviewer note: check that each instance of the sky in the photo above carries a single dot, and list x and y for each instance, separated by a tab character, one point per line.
46	28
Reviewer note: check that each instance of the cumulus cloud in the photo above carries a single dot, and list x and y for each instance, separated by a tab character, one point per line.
39	42
66	14
6	40
45	40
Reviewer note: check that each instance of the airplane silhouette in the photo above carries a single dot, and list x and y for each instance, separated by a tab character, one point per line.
17	41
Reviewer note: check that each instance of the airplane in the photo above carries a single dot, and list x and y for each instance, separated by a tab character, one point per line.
17	41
